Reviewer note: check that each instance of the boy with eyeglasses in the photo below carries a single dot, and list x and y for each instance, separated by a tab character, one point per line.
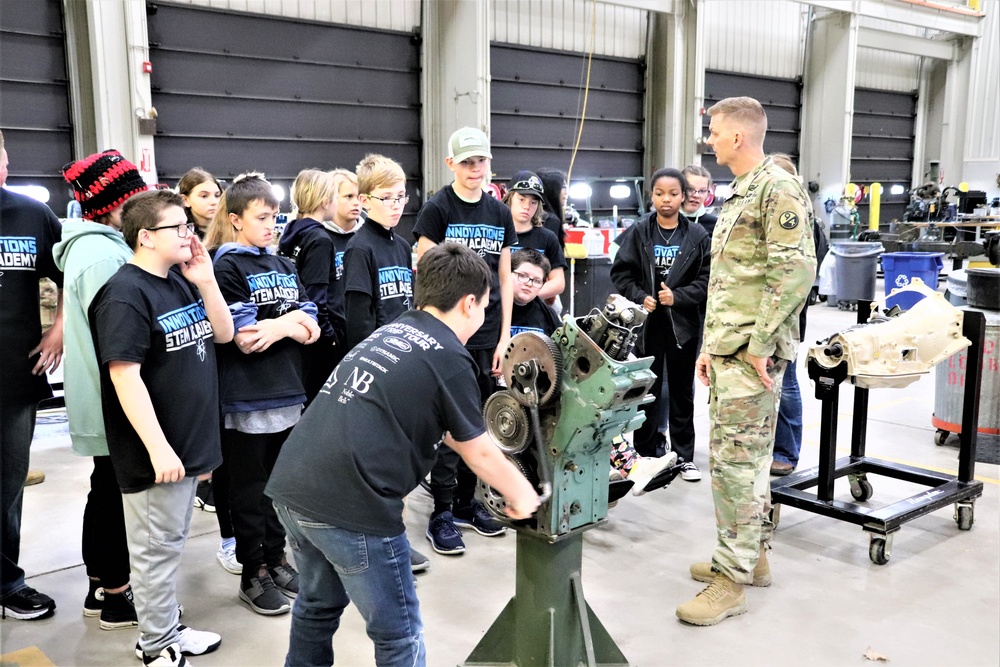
461	213
378	264
154	324
699	182
530	269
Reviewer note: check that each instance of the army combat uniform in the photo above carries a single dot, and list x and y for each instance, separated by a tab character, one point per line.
763	265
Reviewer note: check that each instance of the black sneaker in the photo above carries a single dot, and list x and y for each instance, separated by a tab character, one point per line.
263	596
27	604
94	603
119	611
285	579
479	519
418	561
204	498
444	536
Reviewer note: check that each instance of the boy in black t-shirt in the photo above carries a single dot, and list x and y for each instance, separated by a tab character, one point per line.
153	328
530	269
366	441
378	271
460	213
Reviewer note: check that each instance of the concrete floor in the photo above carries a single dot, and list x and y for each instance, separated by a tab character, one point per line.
937	602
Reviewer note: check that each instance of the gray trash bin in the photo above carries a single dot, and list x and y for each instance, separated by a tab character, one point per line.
857	263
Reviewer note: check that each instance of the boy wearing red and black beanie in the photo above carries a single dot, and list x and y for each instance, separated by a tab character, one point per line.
90	252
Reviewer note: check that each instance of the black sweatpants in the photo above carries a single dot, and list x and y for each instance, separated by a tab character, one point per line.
250	458
105	549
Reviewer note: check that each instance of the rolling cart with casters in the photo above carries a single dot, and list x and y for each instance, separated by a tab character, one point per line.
944	489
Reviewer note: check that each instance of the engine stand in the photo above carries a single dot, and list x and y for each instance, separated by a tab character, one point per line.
547	623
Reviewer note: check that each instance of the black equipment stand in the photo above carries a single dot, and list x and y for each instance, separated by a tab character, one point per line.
882	523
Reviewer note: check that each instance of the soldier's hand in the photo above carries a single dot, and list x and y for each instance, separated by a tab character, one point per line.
761	364
701	367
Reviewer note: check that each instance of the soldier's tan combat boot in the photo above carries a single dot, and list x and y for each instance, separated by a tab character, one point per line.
722	598
761	573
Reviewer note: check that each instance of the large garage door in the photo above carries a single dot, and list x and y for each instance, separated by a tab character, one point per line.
238	92
34	103
781	99
536	96
882	147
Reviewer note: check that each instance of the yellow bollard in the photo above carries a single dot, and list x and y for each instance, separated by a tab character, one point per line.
875	201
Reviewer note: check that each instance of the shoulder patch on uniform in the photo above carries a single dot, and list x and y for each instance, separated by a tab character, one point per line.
788	220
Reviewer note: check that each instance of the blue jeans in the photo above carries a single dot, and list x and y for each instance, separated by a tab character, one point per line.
338	566
788	436
17	427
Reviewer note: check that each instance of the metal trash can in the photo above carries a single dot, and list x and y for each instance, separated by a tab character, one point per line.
857	264
901	267
957	292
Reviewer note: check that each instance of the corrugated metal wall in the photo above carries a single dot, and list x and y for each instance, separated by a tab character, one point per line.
565	25
387	14
983	138
34	102
884	70
761	37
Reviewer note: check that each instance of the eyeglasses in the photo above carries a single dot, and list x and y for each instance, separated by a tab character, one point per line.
701	192
391	201
525	279
183	229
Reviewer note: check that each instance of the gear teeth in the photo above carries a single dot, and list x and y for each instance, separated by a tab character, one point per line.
525	347
507	422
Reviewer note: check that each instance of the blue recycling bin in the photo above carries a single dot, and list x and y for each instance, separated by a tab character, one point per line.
901	267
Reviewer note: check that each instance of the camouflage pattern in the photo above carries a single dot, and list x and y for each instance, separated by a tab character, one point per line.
763	266
743	415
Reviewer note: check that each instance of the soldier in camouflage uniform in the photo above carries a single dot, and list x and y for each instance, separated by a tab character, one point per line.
763	265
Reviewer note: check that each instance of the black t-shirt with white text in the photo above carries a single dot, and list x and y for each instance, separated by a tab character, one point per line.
28	230
272	378
485	226
545	242
161	324
379	263
372	433
533	316
666	245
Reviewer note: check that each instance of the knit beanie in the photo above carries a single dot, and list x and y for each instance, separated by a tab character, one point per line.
102	182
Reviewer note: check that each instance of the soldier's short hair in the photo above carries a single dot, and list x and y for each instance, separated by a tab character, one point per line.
746	112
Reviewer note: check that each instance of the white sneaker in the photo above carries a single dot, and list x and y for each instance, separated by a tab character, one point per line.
690	472
227	558
646	468
189	642
168	657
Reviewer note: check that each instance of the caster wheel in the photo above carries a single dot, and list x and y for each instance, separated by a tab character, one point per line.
861	489
964	516
878	551
940	437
